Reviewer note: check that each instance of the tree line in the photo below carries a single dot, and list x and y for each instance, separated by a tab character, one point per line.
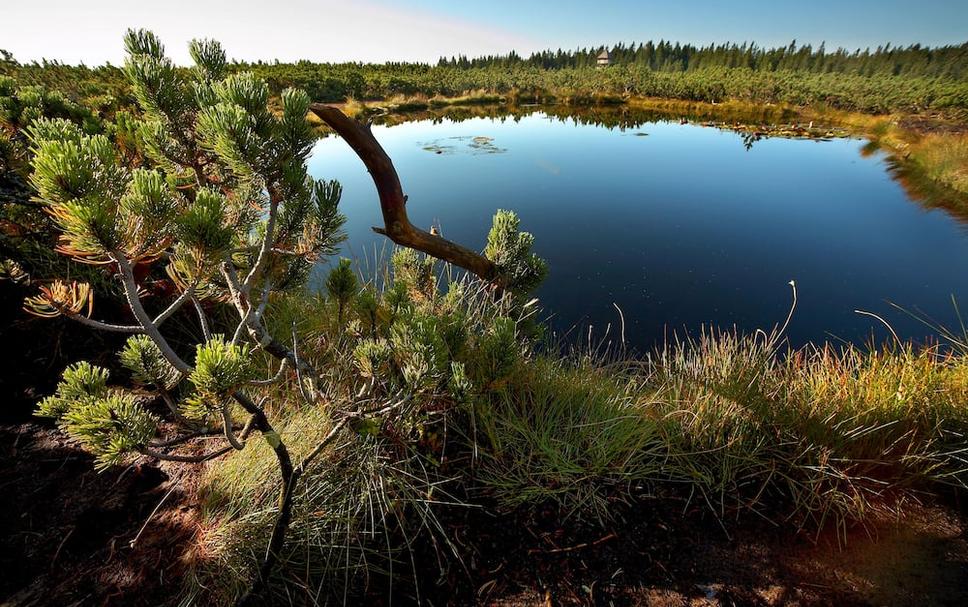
889	79
949	61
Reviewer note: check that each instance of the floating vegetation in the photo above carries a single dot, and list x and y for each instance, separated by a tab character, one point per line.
467	144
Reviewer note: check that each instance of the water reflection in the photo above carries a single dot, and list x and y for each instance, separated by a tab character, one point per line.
752	124
679	225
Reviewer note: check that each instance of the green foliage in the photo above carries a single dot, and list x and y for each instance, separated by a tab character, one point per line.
372	357
148	209
884	79
569	437
498	352
79	177
110	427
81	383
144	360
510	250
155	82
915	60
107	423
209	58
397	300
420	350
342	285
415	272
367	307
220	368
310	222
204	235
21	106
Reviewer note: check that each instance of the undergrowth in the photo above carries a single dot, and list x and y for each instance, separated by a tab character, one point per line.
480	413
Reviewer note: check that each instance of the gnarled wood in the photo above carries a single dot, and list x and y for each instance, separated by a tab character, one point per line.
393	203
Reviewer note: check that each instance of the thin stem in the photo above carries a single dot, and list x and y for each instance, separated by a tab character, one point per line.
289	478
165	396
274	199
175	305
279	374
150	329
178	440
191	459
227	427
202	318
330	436
299	378
103	326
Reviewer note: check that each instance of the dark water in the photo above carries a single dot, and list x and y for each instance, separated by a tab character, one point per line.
678	225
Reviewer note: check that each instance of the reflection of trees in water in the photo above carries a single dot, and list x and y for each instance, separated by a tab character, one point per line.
928	193
751	137
920	188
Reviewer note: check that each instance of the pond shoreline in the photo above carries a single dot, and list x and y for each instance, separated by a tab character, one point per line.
928	153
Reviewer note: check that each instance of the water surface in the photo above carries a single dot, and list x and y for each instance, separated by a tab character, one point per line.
677	224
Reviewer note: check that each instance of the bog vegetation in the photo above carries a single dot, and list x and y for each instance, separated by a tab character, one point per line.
351	422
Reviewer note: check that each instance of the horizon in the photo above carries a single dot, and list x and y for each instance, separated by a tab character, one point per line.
885	46
370	31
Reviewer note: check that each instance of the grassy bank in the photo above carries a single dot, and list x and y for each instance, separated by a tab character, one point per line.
489	422
929	149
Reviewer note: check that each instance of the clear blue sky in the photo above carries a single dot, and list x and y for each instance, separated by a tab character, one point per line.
423	30
848	23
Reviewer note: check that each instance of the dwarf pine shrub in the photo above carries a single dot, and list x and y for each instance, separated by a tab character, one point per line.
206	191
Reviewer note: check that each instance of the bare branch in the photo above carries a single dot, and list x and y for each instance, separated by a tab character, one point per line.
165	396
103	326
191	459
150	329
299	379
181	299
289	478
227	427
202	318
279	374
256	329
397	226
178	440
274	199
330	436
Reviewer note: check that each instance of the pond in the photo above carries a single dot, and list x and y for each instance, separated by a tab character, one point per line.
678	225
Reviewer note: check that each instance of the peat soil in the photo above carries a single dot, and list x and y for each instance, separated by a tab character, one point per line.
70	535
670	560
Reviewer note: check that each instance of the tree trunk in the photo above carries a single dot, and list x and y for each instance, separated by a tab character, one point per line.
393	203
289	477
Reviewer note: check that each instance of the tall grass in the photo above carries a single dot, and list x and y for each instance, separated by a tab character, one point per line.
944	159
738	426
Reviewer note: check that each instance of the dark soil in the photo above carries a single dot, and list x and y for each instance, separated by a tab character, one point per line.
670	560
934	123
66	535
66	531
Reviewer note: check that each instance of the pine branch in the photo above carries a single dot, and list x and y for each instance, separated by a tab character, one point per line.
103	326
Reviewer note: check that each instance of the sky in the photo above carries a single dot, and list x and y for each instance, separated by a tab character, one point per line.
90	31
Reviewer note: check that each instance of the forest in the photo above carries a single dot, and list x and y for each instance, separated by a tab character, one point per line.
911	79
914	60
192	420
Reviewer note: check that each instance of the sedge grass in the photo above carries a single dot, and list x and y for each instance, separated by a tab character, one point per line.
739	425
